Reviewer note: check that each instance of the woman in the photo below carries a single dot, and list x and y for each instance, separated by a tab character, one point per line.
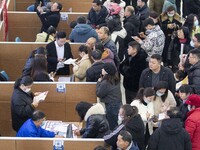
22	102
39	69
81	66
96	122
164	98
170	21
131	121
143	102
108	90
48	36
192	23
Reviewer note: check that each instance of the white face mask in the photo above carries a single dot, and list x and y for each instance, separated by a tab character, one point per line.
120	119
43	122
189	107
196	23
191	43
27	90
170	15
146	100
159	94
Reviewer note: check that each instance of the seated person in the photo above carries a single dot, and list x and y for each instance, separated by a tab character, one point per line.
28	66
57	52
48	36
82	31
32	127
91	43
124	141
96	122
82	65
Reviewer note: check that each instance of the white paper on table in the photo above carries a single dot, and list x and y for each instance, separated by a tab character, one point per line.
60	128
161	116
64	79
69	61
41	96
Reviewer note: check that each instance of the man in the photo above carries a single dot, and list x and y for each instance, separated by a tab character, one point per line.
171	135
156	5
131	24
104	37
49	18
32	127
91	43
97	14
192	123
82	31
131	68
194	71
57	52
124	141
143	11
93	73
154	41
155	73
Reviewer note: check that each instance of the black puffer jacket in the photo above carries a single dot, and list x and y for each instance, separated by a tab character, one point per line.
134	125
194	77
21	109
96	122
171	136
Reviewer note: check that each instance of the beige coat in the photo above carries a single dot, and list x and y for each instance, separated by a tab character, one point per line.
41	37
80	68
160	106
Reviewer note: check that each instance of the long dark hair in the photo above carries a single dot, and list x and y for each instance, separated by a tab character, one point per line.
86	50
113	79
162	85
144	92
39	65
82	109
51	30
25	80
130	112
189	22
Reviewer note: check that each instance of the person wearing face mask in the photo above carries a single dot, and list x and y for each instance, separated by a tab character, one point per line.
192	123
164	98
170	22
143	102
23	103
169	3
130	121
33	127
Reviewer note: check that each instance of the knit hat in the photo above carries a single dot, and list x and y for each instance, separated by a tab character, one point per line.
193	100
109	68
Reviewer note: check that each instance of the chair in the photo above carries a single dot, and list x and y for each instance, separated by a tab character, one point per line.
30	8
17	39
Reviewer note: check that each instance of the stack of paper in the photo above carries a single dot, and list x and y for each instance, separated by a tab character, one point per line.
41	96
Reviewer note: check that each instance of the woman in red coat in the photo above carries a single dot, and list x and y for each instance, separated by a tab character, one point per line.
192	124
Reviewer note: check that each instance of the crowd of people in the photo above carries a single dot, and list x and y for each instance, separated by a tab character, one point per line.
145	48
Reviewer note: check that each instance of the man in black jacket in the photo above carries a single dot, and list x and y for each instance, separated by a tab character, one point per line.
171	135
155	73
57	52
51	18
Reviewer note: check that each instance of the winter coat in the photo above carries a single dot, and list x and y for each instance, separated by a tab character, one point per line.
184	110
143	109
93	73
81	67
170	136
165	75
131	25
97	19
108	93
154	42
143	12
192	126
29	129
21	108
169	3
134	126
41	37
118	38
193	7
81	33
96	122
194	77
169	102
156	5
41	76
131	68
122	4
